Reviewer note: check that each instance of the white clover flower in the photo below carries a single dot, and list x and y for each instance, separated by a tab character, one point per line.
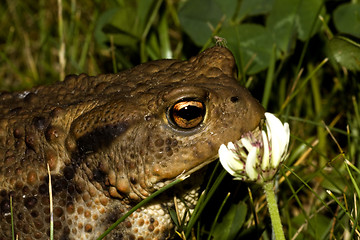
257	155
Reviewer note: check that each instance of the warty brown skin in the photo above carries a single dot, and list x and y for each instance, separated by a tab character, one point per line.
112	140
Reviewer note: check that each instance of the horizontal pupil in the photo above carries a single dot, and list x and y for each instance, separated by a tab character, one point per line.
189	112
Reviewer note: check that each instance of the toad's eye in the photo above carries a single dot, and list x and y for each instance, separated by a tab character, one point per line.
187	114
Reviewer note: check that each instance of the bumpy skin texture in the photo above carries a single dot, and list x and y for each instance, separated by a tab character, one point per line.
111	141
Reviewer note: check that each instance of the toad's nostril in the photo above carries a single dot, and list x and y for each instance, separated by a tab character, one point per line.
234	99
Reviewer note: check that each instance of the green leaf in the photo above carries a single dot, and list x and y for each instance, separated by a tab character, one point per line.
125	22
317	228
231	222
173	216
345	52
199	18
255	7
228	7
347	19
251	44
289	19
308	15
143	9
104	19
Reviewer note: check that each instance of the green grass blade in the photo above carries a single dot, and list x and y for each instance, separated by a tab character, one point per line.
288	99
217	216
355	184
342	207
195	216
142	203
269	79
154	14
12	219
51	206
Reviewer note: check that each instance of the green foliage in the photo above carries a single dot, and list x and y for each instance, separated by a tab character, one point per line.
345	52
281	47
125	22
319	227
232	222
284	20
199	18
347	19
254	8
251	44
295	18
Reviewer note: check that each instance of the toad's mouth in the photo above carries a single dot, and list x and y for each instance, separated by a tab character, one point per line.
255	132
191	171
187	191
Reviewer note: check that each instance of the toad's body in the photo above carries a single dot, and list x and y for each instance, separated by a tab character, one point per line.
111	141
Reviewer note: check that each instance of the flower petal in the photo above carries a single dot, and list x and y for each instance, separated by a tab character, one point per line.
287	139
242	159
279	138
231	146
229	160
265	164
246	143
225	155
251	165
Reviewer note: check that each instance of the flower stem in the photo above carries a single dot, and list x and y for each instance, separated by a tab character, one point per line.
273	210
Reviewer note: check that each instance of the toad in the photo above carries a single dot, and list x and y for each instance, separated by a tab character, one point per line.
112	140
